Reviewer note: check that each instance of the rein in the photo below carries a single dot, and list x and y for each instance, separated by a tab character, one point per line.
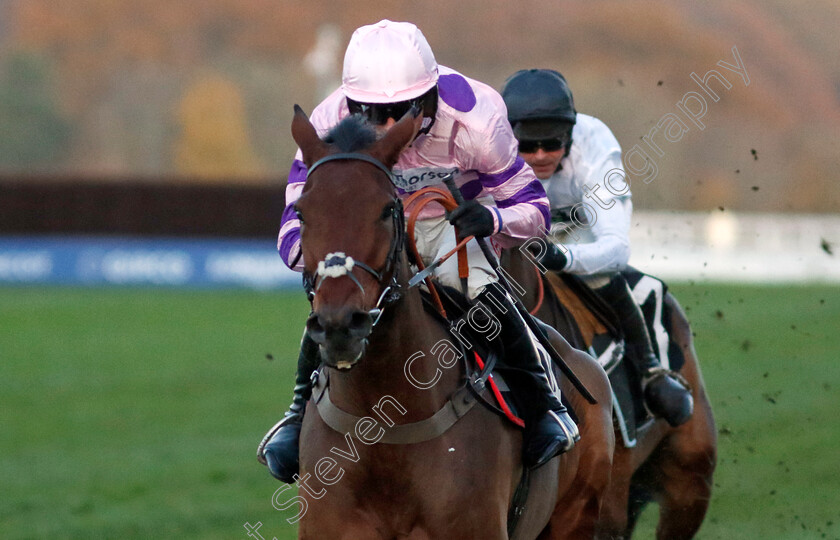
338	264
540	291
416	202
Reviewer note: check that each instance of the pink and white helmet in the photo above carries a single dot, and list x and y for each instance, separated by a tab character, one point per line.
388	62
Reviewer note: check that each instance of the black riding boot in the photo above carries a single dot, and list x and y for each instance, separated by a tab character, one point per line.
549	430
665	396
279	448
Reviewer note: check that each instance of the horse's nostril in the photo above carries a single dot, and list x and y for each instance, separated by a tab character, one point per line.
360	323
315	328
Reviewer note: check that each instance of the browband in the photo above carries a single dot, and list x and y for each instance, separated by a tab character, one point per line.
351	155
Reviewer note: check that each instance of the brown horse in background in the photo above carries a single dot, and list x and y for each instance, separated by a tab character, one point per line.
354	483
671	466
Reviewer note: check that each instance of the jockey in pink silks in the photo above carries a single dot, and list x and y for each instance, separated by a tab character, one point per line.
389	69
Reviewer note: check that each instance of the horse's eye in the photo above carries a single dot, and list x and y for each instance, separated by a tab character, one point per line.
387	212
298	214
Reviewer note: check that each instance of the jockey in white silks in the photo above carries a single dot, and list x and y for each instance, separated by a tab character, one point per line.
389	69
578	161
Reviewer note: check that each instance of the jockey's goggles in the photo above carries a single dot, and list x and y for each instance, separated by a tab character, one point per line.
548	145
379	113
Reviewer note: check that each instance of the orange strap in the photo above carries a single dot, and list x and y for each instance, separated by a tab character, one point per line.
540	291
413	205
442	196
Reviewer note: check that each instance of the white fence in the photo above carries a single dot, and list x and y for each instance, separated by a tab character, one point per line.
676	246
737	247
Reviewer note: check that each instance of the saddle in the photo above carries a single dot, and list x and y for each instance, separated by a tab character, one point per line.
607	343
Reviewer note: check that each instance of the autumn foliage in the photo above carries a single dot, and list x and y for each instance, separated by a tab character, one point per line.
213	141
205	89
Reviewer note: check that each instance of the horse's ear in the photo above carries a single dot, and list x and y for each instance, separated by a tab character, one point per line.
388	148
304	134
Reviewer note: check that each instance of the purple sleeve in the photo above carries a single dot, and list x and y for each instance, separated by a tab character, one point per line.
522	204
288	240
488	147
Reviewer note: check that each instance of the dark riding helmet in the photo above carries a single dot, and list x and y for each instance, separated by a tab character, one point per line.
540	105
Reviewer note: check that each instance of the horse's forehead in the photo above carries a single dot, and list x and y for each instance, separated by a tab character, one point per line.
359	182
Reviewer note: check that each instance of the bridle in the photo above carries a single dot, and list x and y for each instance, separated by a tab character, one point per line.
338	264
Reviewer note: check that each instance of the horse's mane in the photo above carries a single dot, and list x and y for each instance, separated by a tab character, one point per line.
352	134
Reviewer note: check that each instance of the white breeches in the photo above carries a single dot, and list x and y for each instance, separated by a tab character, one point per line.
435	237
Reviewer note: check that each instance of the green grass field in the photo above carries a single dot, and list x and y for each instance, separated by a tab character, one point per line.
136	413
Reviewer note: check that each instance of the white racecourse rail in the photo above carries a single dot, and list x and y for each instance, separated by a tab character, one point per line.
727	246
675	246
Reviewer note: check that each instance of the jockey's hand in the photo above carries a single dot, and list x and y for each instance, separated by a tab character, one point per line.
553	258
472	219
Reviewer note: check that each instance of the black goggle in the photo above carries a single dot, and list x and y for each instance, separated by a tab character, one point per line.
379	113
548	145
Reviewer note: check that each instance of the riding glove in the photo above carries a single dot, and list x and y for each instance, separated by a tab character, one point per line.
553	258
472	219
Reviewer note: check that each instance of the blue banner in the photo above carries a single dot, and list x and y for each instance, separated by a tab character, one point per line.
97	261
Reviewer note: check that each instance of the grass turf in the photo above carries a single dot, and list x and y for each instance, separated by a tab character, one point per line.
136	413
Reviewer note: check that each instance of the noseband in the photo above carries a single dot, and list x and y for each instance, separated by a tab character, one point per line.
338	264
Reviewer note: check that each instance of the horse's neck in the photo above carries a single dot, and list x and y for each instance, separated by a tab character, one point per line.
560	307
405	332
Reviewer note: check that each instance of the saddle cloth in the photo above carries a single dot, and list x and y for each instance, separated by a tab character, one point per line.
629	411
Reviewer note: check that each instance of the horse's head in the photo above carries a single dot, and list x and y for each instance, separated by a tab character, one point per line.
351	230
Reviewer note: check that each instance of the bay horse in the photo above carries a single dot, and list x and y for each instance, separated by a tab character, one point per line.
355	482
670	466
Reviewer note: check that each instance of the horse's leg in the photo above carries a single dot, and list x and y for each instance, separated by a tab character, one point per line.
585	472
689	453
360	530
577	511
613	522
637	500
686	468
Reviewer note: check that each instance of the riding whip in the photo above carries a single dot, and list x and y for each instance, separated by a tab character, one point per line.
449	180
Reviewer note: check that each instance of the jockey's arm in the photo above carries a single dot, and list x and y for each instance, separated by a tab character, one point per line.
610	251
326	114
523	215
610	226
521	209
288	240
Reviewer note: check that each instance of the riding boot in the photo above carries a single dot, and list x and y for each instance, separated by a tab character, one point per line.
666	395
279	448
549	430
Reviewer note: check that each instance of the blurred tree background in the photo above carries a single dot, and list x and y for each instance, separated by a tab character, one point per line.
33	132
214	142
204	90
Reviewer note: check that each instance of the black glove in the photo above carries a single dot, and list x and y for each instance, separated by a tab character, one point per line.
553	258
472	219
